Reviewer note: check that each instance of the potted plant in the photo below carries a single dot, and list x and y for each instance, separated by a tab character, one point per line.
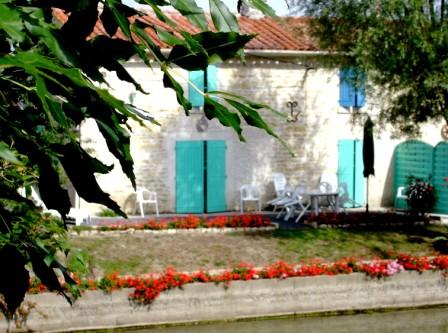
421	195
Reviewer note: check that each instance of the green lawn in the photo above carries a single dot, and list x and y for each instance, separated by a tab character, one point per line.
142	253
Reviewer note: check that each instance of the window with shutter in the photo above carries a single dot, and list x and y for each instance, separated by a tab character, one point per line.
197	79
351	88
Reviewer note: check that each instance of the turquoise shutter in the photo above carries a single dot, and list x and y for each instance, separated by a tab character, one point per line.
359	196
197	78
351	93
350	168
345	166
189	177
216	176
346	90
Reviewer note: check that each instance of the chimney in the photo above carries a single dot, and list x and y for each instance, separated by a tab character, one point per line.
245	10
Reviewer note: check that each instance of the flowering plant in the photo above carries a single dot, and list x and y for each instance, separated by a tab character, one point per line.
421	195
149	286
194	222
359	219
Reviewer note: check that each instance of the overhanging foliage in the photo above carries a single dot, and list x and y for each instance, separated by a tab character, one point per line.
403	45
50	76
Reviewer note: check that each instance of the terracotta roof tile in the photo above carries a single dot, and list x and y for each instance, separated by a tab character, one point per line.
282	34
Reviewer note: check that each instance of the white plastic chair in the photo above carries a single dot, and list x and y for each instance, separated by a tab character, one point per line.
283	197
325	187
401	190
144	196
331	179
300	205
287	201
279	181
281	189
81	216
249	192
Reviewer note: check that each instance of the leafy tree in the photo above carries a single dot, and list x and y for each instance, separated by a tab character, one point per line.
50	83
401	44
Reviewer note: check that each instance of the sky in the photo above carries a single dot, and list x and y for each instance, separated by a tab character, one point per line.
278	5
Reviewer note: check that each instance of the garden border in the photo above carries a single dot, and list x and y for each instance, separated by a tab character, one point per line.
96	232
206	302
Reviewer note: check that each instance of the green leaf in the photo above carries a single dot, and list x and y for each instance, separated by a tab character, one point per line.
138	29
116	48
45	273
159	13
51	192
53	108
52	42
41	90
169	82
253	118
168	38
219	46
119	144
262	6
213	109
121	13
7	154
191	43
153	2
82	176
250	103
11	22
222	18
192	12
108	20
80	24
32	62
105	52
14	280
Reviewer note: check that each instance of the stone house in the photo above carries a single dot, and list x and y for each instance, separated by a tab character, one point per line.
279	71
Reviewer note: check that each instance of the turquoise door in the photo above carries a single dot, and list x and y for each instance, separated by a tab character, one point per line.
412	158
216	176
190	177
350	168
200	176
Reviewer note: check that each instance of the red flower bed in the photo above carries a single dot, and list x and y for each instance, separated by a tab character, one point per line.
194	222
362	219
148	287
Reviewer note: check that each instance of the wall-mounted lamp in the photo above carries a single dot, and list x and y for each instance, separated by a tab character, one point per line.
294	114
202	124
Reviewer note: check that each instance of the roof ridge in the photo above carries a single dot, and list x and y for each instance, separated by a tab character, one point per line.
273	34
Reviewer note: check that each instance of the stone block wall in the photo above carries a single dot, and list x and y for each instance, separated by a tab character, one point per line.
313	139
204	302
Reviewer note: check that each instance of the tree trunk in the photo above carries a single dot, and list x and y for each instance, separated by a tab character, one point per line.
442	10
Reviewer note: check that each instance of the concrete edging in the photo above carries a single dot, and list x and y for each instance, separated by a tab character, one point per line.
132	231
243	299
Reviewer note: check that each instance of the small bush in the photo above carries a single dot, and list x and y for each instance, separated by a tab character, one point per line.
421	196
107	213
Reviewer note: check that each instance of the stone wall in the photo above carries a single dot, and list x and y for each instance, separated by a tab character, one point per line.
243	299
313	138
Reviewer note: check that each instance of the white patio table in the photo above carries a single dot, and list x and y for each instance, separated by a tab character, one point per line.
315	195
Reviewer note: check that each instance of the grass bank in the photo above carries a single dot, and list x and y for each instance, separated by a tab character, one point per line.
142	253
